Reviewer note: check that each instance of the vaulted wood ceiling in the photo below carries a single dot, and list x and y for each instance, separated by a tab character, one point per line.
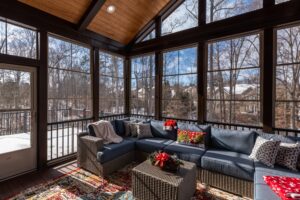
122	25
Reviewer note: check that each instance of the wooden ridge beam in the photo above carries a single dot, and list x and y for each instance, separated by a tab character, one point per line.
90	14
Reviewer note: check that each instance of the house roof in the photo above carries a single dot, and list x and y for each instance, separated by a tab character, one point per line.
122	25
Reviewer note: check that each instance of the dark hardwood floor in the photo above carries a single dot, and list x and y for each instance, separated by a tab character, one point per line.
16	185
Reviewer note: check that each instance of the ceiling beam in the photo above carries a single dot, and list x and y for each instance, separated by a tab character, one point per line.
90	13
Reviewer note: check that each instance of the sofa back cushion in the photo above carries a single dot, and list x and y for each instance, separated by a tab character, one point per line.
119	126
237	141
157	128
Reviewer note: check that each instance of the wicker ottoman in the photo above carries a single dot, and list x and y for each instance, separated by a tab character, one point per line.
150	182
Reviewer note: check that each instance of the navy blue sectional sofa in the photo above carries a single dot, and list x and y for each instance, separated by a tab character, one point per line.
223	163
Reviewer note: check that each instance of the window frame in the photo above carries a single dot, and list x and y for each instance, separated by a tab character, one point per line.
72	42
260	68
23	26
148	77
276	66
178	48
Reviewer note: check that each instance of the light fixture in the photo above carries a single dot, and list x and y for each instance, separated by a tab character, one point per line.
111	9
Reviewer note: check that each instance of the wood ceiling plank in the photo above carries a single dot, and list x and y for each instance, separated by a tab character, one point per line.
70	10
129	18
122	25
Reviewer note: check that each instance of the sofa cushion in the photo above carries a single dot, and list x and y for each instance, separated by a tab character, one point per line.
119	126
187	153
229	163
150	145
157	128
112	151
261	190
238	141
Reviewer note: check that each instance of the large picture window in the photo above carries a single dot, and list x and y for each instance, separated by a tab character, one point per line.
222	9
179	99
143	85
287	105
111	84
233	81
184	17
17	40
69	81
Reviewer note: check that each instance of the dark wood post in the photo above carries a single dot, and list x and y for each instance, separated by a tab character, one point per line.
268	94
201	80
42	97
158	84
158	73
95	77
127	85
268	3
201	67
267	73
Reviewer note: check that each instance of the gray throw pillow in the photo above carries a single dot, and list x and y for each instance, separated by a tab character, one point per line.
287	155
144	131
127	128
134	129
265	151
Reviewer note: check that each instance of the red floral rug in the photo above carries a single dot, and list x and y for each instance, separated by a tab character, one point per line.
82	185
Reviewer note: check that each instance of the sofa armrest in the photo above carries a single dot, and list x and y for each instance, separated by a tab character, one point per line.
93	144
82	134
88	146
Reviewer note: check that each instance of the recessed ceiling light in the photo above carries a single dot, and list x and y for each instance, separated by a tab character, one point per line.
111	9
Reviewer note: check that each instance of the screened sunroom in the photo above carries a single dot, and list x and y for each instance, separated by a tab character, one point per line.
150	99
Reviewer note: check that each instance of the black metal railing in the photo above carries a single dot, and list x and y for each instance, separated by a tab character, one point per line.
61	115
15	122
287	132
62	136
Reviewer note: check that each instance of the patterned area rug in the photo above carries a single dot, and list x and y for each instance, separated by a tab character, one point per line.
82	185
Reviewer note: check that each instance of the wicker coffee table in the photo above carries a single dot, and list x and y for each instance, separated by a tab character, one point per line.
150	182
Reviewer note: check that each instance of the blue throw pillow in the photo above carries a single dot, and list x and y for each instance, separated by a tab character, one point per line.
232	140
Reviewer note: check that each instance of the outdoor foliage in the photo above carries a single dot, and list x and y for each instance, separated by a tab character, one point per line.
179	98
111	84
233	81
17	41
143	85
287	107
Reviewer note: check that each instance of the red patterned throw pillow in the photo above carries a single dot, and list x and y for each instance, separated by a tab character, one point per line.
192	138
287	188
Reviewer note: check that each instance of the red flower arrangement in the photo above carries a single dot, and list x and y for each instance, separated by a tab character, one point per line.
165	161
170	125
